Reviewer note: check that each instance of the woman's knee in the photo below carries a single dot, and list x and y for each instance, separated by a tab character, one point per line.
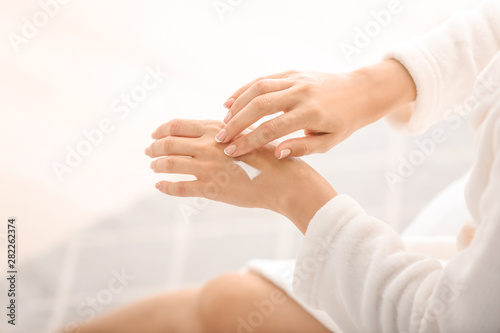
226	302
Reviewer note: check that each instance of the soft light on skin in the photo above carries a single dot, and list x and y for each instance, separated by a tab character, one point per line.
336	105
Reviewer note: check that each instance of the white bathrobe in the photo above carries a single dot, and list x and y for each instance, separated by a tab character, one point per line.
357	269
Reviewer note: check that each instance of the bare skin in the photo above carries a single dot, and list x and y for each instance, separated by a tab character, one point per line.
227	302
233	302
289	187
329	108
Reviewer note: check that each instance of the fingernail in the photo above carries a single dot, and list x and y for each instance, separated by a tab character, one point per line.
285	153
153	134
152	165
221	136
147	151
158	186
227	104
230	150
228	117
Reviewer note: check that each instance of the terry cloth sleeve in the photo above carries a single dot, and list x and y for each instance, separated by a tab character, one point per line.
445	63
356	268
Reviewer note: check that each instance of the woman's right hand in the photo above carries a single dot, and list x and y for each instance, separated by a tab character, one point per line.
328	107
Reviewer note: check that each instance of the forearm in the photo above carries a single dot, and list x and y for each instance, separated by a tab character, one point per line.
307	192
389	88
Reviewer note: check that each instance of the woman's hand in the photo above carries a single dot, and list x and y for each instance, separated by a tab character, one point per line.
290	187
328	107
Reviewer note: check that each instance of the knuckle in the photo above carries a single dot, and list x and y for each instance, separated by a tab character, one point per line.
269	130
174	126
210	148
169	164
180	189
170	189
167	189
303	148
260	78
217	124
305	88
282	122
167	145
246	142
262	102
213	129
315	110
262	85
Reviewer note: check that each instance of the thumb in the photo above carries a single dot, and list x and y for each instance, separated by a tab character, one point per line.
310	144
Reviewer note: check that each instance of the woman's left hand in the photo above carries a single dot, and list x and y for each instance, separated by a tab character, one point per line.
290	187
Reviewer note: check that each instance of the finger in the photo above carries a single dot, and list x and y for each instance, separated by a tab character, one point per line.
176	164
237	93
260	106
172	145
180	127
180	189
310	144
259	88
265	133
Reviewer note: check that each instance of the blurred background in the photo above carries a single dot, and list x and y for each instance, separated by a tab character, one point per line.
73	170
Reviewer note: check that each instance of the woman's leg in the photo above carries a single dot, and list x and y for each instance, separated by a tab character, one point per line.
234	302
172	312
248	303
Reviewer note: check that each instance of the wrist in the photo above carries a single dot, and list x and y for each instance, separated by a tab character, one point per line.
308	193
388	85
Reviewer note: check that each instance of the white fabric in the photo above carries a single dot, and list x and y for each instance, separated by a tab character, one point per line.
280	273
442	212
358	270
445	63
448	205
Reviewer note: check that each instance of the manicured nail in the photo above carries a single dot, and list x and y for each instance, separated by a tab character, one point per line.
158	186
147	151
285	153
153	134
228	117
230	150
152	165
221	136
227	104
